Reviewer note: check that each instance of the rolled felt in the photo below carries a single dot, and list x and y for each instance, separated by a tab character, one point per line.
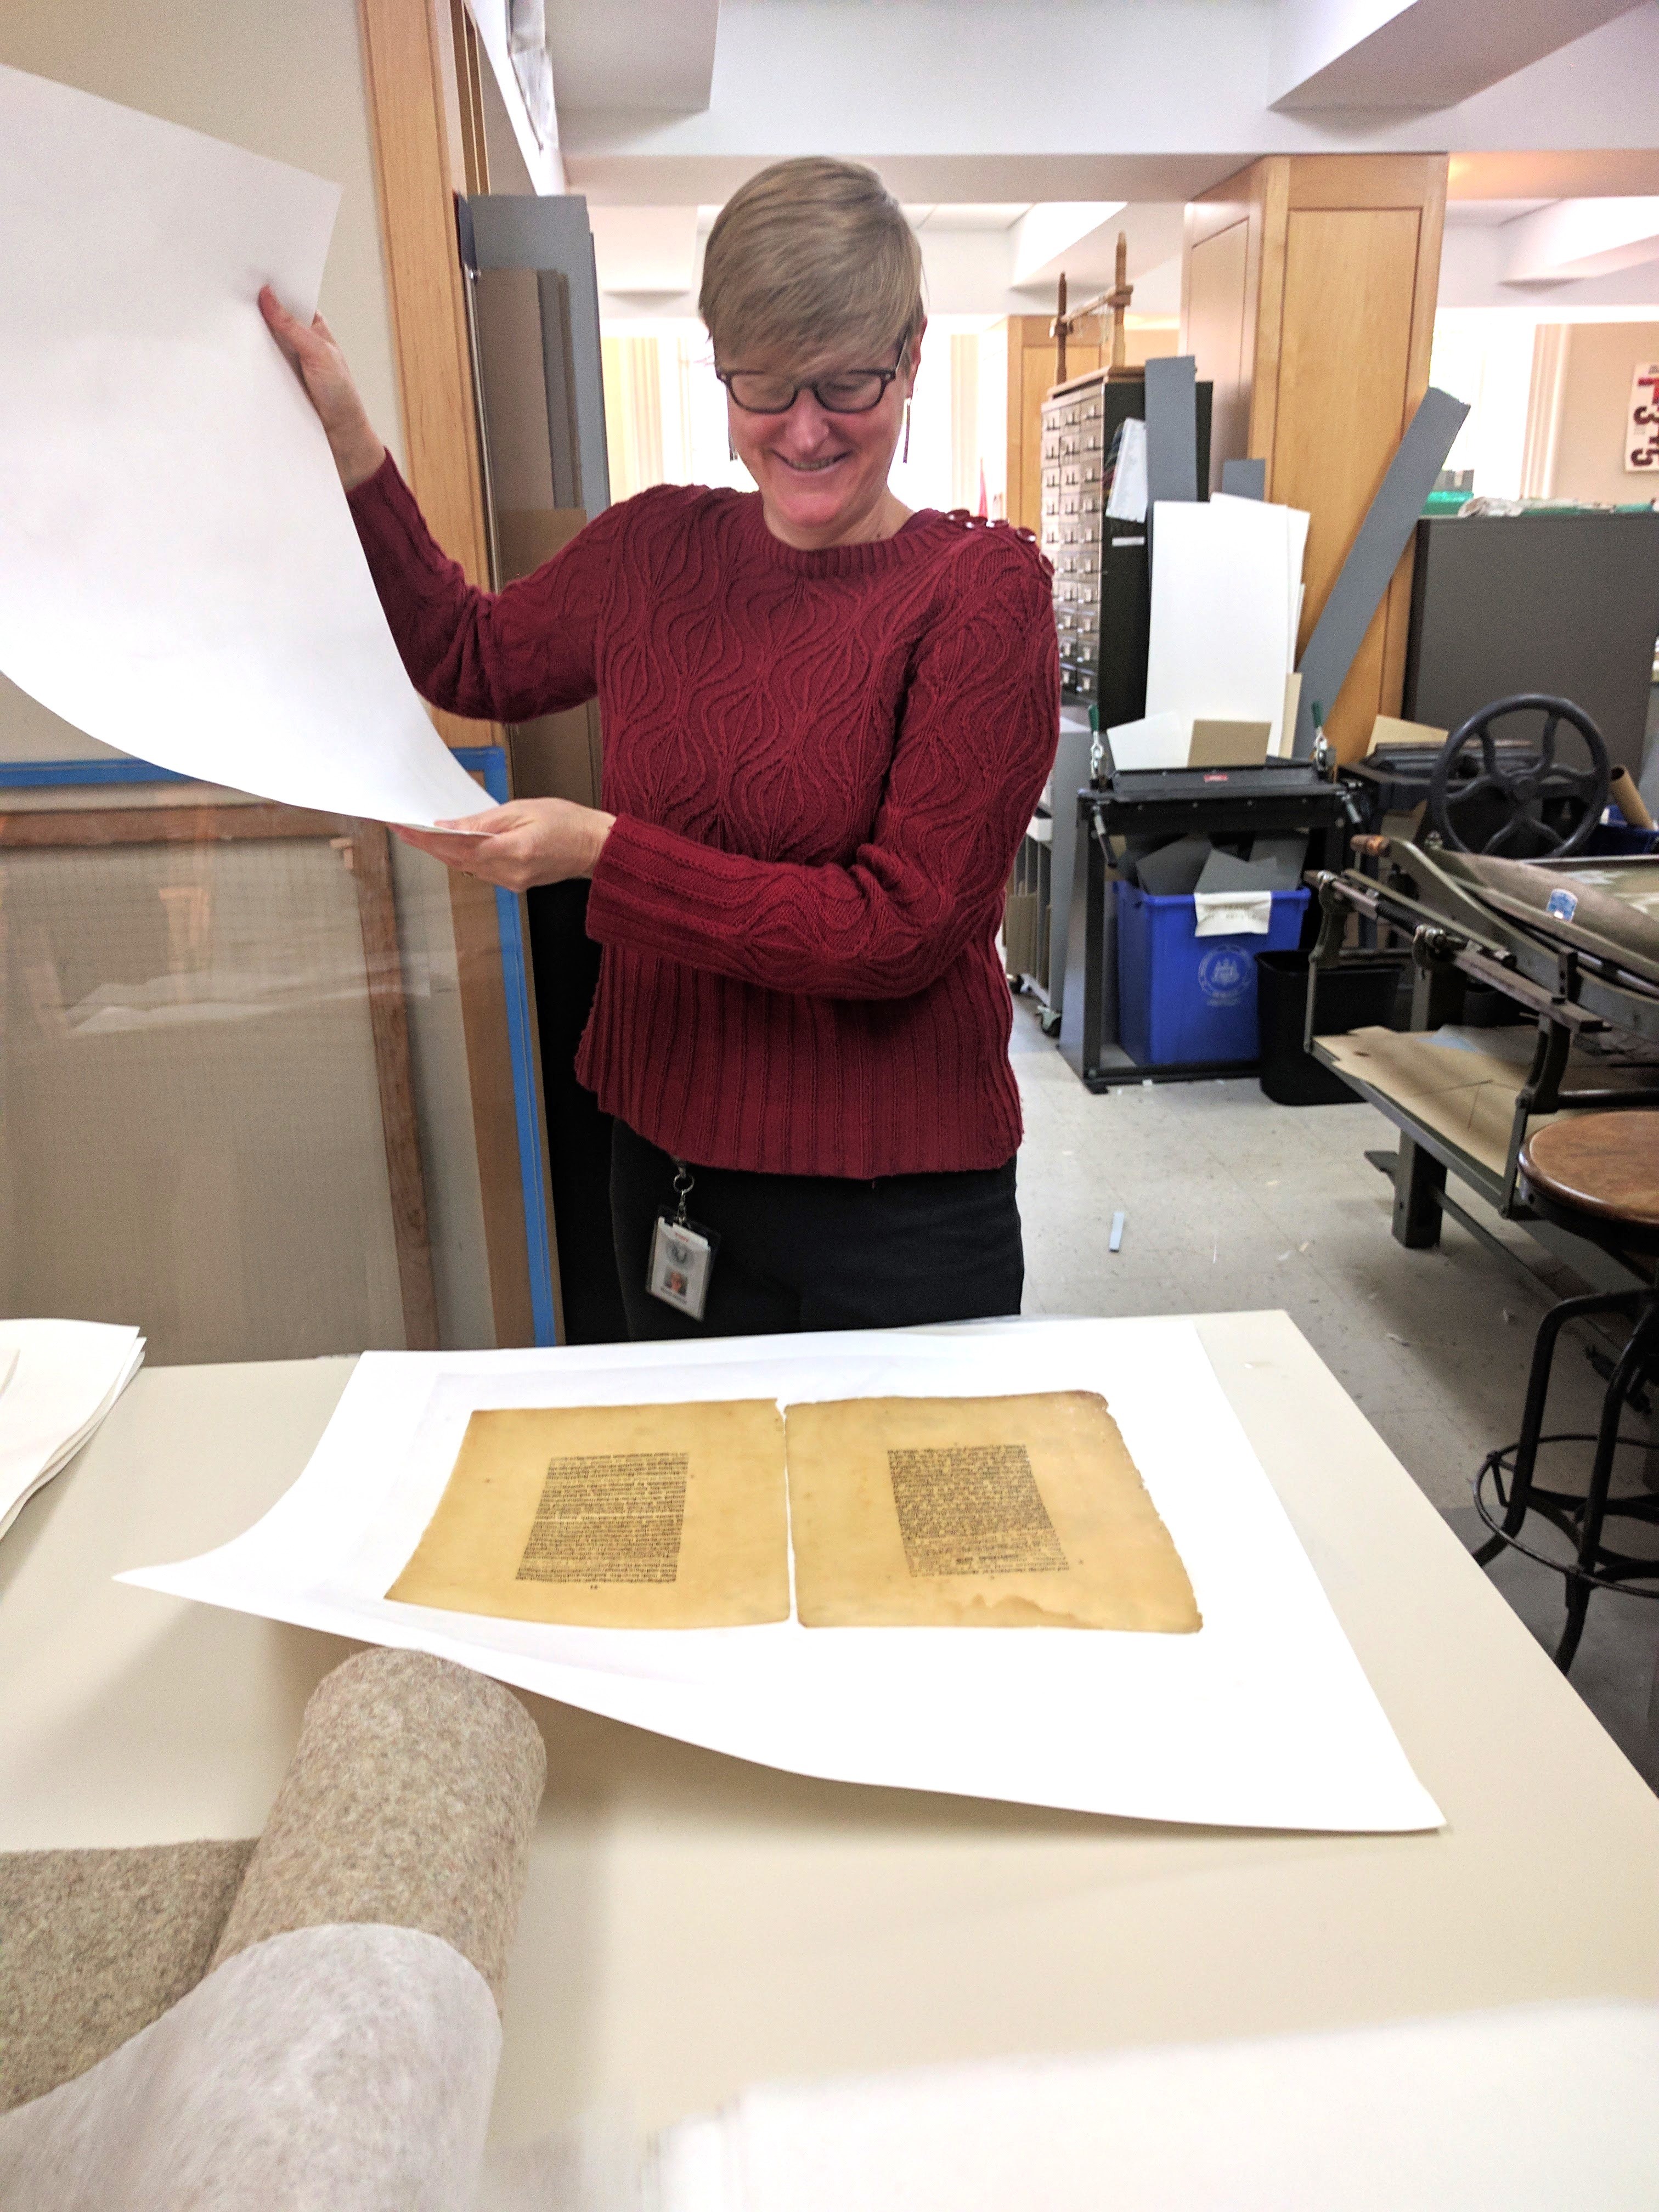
94	1945
410	1800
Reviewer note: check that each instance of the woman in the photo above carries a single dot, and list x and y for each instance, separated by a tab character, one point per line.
826	722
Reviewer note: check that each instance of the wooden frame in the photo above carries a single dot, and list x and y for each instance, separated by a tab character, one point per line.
365	849
424	126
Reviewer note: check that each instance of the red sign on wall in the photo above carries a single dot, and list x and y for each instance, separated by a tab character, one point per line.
1642	438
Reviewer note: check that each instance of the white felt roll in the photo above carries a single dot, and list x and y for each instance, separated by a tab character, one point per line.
329	2069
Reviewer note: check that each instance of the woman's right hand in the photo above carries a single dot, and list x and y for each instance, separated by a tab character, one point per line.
315	354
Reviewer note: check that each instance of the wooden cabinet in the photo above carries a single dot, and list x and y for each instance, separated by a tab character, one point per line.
1031	360
1031	364
1307	296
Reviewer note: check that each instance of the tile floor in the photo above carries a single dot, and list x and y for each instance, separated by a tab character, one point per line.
1231	1202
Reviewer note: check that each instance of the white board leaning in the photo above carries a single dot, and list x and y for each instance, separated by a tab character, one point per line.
180	577
1264	1718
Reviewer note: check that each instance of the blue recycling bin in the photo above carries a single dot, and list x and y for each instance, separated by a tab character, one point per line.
1182	997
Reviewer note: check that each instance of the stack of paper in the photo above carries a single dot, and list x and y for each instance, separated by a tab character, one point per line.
1226	603
1532	2107
58	1380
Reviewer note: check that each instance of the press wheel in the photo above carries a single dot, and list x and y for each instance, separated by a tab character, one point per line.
1526	791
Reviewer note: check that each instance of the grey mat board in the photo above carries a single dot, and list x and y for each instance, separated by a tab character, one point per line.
1070	774
1244	479
1226	871
1173	870
550	231
1171	428
1374	556
1287	856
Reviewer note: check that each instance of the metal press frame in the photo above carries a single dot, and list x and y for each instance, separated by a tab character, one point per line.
1571	991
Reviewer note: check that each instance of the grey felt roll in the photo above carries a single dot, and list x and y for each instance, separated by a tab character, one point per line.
94	1945
410	1801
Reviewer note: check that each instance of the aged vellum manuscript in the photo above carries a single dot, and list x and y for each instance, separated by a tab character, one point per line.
612	1517
1023	1512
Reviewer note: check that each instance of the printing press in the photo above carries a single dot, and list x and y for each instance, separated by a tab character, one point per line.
1519	904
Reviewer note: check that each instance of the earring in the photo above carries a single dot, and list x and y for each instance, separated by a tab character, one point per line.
905	455
731	450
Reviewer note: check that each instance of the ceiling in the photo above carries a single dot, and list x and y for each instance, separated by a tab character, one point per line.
1013	167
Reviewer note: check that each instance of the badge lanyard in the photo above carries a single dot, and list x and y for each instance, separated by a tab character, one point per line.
682	1255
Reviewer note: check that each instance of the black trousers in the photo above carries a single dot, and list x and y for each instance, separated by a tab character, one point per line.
814	1252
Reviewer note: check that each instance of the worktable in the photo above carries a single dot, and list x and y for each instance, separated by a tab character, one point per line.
694	1923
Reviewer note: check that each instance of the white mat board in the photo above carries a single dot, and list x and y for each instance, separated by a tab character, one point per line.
180	577
1262	1719
1226	584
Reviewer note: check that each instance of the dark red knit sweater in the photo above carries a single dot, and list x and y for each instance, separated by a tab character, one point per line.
821	765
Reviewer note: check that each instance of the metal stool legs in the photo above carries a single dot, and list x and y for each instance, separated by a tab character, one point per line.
1632	1361
1538	1385
1580	1520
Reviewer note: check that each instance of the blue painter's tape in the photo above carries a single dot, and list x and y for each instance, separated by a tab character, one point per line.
42	775
489	763
1562	904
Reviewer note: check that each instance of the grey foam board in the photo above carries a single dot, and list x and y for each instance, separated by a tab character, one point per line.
1285	858
1245	479
1171	427
1374	556
1173	870
1226	871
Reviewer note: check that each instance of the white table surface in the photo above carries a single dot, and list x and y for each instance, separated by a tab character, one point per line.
694	1923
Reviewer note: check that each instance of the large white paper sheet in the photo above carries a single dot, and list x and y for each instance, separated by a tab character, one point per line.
57	1381
1535	2109
1226	583
1262	1719
178	573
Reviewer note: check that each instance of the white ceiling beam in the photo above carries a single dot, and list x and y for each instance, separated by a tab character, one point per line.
1046	233
1576	238
968	101
1419	55
655	56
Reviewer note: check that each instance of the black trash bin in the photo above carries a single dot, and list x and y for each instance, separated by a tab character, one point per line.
1359	994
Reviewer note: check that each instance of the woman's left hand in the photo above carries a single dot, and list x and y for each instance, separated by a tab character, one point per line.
528	842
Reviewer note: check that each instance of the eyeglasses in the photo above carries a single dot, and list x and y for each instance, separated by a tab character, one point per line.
852	392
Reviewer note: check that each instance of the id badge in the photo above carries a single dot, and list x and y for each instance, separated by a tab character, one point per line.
682	1262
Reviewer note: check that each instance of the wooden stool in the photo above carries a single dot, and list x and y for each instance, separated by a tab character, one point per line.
1597	1175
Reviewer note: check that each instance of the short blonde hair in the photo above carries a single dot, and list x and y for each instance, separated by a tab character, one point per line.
811	259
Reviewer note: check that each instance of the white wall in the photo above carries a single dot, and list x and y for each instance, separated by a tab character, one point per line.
1589	447
1485	357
